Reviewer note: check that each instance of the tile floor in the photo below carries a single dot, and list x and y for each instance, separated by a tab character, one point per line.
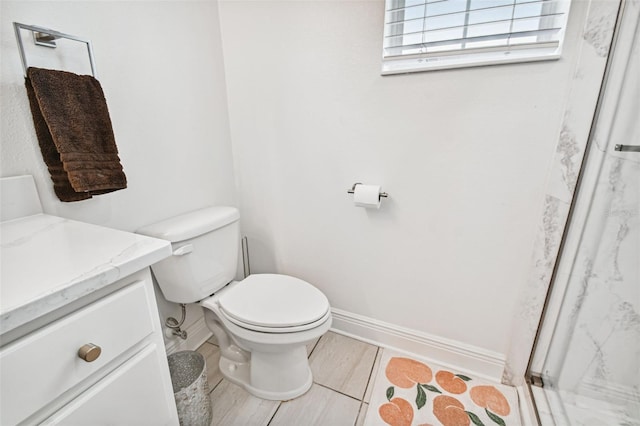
342	381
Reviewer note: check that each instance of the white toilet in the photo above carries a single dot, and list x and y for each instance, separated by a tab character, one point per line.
262	323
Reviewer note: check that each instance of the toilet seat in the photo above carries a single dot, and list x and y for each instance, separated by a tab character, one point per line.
275	330
273	303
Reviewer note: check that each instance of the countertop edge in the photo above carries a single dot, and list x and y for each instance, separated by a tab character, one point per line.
153	251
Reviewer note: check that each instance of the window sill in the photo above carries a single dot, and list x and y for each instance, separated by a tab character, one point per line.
466	60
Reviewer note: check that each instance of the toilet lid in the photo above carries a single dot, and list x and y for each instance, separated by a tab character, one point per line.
273	301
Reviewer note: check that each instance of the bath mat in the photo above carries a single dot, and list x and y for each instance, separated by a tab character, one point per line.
414	392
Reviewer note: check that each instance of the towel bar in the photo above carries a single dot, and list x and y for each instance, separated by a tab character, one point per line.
46	37
627	148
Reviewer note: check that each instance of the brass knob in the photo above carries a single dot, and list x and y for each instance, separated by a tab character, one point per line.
89	352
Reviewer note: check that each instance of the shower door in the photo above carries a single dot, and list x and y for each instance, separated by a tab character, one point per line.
588	352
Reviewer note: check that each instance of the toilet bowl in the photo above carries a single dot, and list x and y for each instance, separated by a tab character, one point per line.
262	323
270	360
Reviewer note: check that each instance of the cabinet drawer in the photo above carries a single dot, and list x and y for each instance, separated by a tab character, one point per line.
135	388
38	368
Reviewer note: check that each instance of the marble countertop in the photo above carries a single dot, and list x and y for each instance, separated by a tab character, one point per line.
48	262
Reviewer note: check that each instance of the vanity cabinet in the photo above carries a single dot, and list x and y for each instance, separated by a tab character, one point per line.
80	335
46	380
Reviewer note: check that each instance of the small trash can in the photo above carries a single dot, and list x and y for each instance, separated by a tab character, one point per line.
190	388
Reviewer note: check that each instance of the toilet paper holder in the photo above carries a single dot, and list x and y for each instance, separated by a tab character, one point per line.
353	188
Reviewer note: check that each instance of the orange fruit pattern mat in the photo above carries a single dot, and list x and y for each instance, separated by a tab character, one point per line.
413	392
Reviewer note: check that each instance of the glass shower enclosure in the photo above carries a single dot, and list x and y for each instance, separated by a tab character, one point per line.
586	365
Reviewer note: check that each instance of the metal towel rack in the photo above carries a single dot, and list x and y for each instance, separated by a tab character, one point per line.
47	37
627	148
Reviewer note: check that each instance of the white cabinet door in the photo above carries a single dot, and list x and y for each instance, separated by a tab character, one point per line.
133	394
38	368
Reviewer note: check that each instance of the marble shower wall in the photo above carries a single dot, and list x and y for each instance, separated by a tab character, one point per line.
599	354
595	349
561	184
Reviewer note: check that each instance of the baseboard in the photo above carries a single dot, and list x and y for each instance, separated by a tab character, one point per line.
197	334
449	353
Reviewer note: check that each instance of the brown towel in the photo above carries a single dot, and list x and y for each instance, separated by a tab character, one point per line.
74	132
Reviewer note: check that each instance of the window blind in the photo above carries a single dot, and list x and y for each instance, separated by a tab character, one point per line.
472	31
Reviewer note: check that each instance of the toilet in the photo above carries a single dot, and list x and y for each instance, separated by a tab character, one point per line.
263	323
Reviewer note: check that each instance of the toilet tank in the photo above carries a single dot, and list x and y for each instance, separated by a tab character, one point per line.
205	253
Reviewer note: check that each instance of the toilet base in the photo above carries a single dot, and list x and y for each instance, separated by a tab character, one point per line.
269	380
273	366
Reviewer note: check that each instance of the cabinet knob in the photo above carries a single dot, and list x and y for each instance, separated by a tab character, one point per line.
89	352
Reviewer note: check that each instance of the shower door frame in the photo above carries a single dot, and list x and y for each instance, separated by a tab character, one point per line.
590	25
605	113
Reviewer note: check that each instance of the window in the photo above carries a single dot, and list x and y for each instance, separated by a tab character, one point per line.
421	35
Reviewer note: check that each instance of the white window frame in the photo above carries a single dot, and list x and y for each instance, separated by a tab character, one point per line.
425	60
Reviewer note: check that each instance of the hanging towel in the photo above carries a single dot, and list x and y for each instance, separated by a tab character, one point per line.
74	132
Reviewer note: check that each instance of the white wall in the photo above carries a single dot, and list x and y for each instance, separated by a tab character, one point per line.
160	65
462	153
